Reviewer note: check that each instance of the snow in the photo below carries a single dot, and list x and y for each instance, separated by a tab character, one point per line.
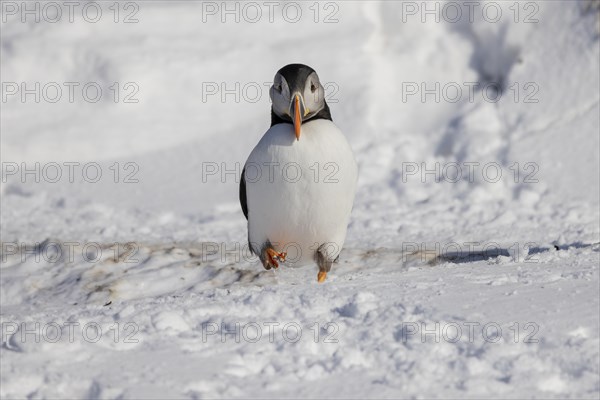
454	281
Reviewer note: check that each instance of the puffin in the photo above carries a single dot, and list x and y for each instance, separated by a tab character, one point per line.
297	186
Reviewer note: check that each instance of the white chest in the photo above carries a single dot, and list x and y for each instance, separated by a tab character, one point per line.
300	193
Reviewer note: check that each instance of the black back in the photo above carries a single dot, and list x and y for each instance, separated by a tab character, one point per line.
243	201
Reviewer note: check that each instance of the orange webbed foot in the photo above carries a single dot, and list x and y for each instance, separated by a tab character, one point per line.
273	258
321	276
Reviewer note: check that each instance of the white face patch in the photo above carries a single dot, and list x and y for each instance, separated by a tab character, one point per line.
313	96
280	96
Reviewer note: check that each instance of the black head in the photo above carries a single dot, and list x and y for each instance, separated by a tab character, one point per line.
297	96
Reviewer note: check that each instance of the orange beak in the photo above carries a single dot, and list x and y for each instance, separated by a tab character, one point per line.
297	117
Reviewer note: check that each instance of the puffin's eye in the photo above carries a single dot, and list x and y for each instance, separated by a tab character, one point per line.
313	88
277	86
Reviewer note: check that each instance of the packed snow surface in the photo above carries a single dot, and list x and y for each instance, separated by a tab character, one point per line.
471	263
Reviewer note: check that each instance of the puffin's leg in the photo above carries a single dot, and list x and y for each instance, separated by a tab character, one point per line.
273	256
270	257
324	263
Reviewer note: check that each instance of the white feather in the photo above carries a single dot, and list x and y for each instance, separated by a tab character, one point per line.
300	193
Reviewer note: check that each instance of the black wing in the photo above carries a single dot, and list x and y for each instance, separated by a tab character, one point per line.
243	193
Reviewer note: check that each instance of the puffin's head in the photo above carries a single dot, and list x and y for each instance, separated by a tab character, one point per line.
297	95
